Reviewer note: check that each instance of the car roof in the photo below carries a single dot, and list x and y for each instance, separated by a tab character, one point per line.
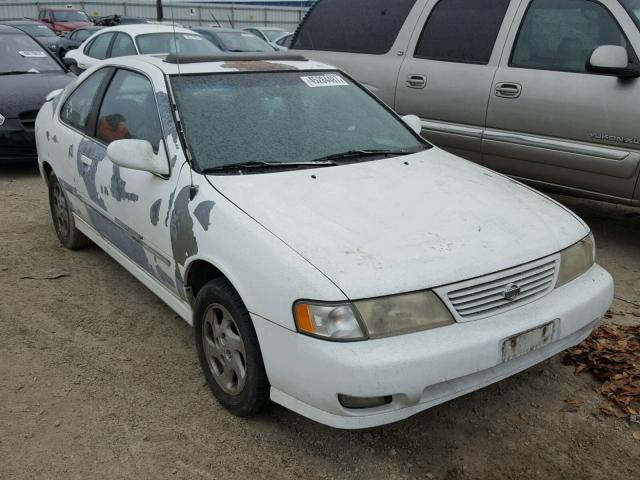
144	28
91	28
218	30
223	62
10	29
21	22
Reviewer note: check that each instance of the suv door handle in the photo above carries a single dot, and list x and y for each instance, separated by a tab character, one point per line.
416	81
508	90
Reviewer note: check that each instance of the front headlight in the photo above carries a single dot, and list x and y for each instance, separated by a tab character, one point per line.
335	321
405	313
576	260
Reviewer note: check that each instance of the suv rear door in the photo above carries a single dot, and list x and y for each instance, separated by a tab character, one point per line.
552	122
365	38
449	67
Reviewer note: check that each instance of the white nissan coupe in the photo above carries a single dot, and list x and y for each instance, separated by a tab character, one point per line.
328	257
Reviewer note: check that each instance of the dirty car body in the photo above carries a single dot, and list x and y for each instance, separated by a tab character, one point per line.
379	282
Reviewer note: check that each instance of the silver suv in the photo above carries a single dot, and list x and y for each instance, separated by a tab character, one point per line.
542	90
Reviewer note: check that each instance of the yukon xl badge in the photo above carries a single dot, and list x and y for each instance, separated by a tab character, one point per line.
614	138
511	292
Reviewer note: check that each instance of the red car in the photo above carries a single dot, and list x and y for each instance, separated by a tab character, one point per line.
62	20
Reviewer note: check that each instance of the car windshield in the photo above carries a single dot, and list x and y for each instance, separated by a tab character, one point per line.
19	53
36	30
633	7
70	16
243	42
273	34
169	42
283	118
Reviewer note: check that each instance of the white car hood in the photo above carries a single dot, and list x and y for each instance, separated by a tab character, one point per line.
384	227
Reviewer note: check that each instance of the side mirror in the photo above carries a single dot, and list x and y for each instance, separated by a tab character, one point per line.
611	60
139	155
70	62
53	94
414	123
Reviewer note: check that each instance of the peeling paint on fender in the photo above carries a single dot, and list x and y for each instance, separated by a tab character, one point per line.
203	213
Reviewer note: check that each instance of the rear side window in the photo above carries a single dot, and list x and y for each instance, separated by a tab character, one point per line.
462	31
122	46
77	109
357	26
561	34
100	46
129	110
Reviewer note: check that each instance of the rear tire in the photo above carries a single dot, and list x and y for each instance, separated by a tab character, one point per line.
228	350
70	237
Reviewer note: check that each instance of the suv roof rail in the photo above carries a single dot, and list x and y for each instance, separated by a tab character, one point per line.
233	57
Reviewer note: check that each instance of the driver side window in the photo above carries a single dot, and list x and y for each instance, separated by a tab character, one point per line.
561	35
129	110
77	108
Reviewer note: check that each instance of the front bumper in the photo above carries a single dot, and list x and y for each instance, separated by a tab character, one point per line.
17	144
423	369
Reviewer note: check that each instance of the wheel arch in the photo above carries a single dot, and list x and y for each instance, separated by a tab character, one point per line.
199	272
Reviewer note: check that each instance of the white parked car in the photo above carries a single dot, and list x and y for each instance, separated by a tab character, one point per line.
327	256
268	34
137	39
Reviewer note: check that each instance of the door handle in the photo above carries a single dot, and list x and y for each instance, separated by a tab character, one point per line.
508	90
416	81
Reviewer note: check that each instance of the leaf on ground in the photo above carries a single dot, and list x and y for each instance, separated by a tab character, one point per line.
574	401
636	435
612	355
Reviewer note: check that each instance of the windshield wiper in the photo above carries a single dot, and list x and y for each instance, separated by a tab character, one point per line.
18	72
352	154
259	165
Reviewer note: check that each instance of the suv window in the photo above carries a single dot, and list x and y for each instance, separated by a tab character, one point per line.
100	46
462	30
561	34
358	26
129	110
122	46
77	107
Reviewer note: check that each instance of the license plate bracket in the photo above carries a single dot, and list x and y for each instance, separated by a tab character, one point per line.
527	342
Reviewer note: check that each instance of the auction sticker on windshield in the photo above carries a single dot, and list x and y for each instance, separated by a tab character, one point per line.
32	53
327	80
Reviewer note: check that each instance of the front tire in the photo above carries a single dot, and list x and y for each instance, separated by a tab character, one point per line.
70	237
228	350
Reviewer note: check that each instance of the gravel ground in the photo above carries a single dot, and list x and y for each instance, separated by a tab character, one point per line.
99	379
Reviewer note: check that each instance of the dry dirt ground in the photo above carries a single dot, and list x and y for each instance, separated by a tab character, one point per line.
98	379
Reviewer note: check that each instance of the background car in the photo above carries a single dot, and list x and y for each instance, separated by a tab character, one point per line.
28	72
542	90
43	33
137	40
63	19
232	40
73	40
268	34
284	42
113	20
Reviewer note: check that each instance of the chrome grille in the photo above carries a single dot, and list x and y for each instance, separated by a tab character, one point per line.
487	296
